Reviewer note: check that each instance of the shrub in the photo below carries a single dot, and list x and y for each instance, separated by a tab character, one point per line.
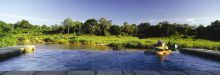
132	45
63	41
7	41
49	39
22	38
116	46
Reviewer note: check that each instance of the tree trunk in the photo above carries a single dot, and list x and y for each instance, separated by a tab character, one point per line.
68	30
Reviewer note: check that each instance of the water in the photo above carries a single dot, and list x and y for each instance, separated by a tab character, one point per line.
64	57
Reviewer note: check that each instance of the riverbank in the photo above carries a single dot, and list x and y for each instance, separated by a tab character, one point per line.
117	42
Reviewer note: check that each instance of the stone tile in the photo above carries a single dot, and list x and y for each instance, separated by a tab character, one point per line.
1	72
128	73
215	72
109	73
147	73
19	73
198	73
173	73
81	73
51	73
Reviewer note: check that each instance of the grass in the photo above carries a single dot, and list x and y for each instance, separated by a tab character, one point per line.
117	42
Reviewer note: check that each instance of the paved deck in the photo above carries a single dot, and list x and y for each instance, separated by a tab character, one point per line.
210	54
108	73
9	52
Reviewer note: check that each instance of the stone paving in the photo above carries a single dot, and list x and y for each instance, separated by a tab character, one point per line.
109	73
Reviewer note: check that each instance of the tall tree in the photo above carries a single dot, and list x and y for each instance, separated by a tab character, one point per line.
143	30
78	27
115	30
68	23
104	26
57	29
215	30
90	26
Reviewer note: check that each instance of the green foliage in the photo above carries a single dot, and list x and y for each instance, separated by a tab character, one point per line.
49	39
97	32
115	30
90	26
7	41
69	23
136	44
143	30
103	26
129	30
5	27
116	46
23	24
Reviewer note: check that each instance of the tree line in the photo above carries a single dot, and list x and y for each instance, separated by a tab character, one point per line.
104	27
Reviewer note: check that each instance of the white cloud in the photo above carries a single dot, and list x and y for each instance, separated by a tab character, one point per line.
190	20
152	20
15	18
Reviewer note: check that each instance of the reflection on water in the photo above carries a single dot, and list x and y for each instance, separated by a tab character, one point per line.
73	47
64	57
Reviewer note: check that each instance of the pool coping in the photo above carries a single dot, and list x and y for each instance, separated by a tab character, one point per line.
205	53
109	72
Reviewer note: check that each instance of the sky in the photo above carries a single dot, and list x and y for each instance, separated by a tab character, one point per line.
52	12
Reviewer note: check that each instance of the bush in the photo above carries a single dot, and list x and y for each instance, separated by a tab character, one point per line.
22	38
116	46
63	41
7	41
132	45
49	39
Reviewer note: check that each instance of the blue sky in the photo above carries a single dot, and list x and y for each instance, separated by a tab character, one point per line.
51	12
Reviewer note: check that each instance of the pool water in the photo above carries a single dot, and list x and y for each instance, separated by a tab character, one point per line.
63	58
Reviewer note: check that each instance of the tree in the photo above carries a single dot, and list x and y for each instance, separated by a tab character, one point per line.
45	28
104	26
57	29
5	29
68	23
214	30
23	24
129	29
115	30
165	28
143	30
154	31
201	31
78	27
134	30
90	26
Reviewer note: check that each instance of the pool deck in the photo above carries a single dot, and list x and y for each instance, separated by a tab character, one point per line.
210	54
108	73
9	52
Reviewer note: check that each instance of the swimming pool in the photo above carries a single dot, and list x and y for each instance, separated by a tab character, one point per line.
55	57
